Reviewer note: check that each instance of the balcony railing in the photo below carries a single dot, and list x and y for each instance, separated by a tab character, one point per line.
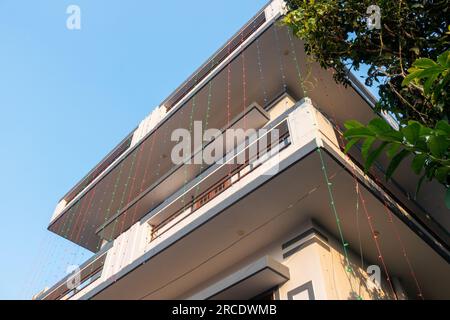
231	177
89	272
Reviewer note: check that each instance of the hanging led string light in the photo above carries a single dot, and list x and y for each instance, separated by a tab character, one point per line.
133	184
107	214
297	65
81	216
229	95
147	165
127	182
113	197
43	255
358	226
81	234
141	188
206	128
244	86
261	74
112	235
88	239
228	88
58	252
140	152
47	268
122	198
68	258
76	229
280	59
55	252
388	212
334	210
101	209
357	191
80	224
344	243
390	219
149	235
357	212
375	237
369	219
64	256
244	80
191	124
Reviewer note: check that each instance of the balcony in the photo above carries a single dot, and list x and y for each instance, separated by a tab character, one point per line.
89	276
233	211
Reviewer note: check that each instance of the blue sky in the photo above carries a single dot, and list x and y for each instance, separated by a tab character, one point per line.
68	97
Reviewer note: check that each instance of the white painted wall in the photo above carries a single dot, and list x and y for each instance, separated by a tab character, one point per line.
129	246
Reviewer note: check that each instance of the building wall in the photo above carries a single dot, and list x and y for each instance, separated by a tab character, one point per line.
317	269
315	259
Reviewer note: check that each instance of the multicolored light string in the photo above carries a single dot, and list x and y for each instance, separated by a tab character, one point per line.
206	128
297	65
261	74
334	210
280	59
390	219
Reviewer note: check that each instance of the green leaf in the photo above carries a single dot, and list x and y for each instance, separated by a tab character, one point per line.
367	145
428	84
395	162
444	59
358	133
350	124
374	155
392	150
436	70
379	126
425	131
441	174
411	132
447	198
393	136
410	77
424	63
443	126
418	162
350	144
438	145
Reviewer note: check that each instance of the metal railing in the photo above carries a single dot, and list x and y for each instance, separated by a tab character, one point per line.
89	272
224	183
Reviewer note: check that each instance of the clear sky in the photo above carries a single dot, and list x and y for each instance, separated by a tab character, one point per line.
67	97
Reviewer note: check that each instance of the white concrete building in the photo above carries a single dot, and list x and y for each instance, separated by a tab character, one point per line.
304	222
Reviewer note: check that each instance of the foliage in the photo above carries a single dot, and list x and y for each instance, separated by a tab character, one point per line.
428	147
432	79
404	58
336	35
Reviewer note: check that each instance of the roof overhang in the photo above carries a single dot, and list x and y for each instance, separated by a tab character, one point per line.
249	282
